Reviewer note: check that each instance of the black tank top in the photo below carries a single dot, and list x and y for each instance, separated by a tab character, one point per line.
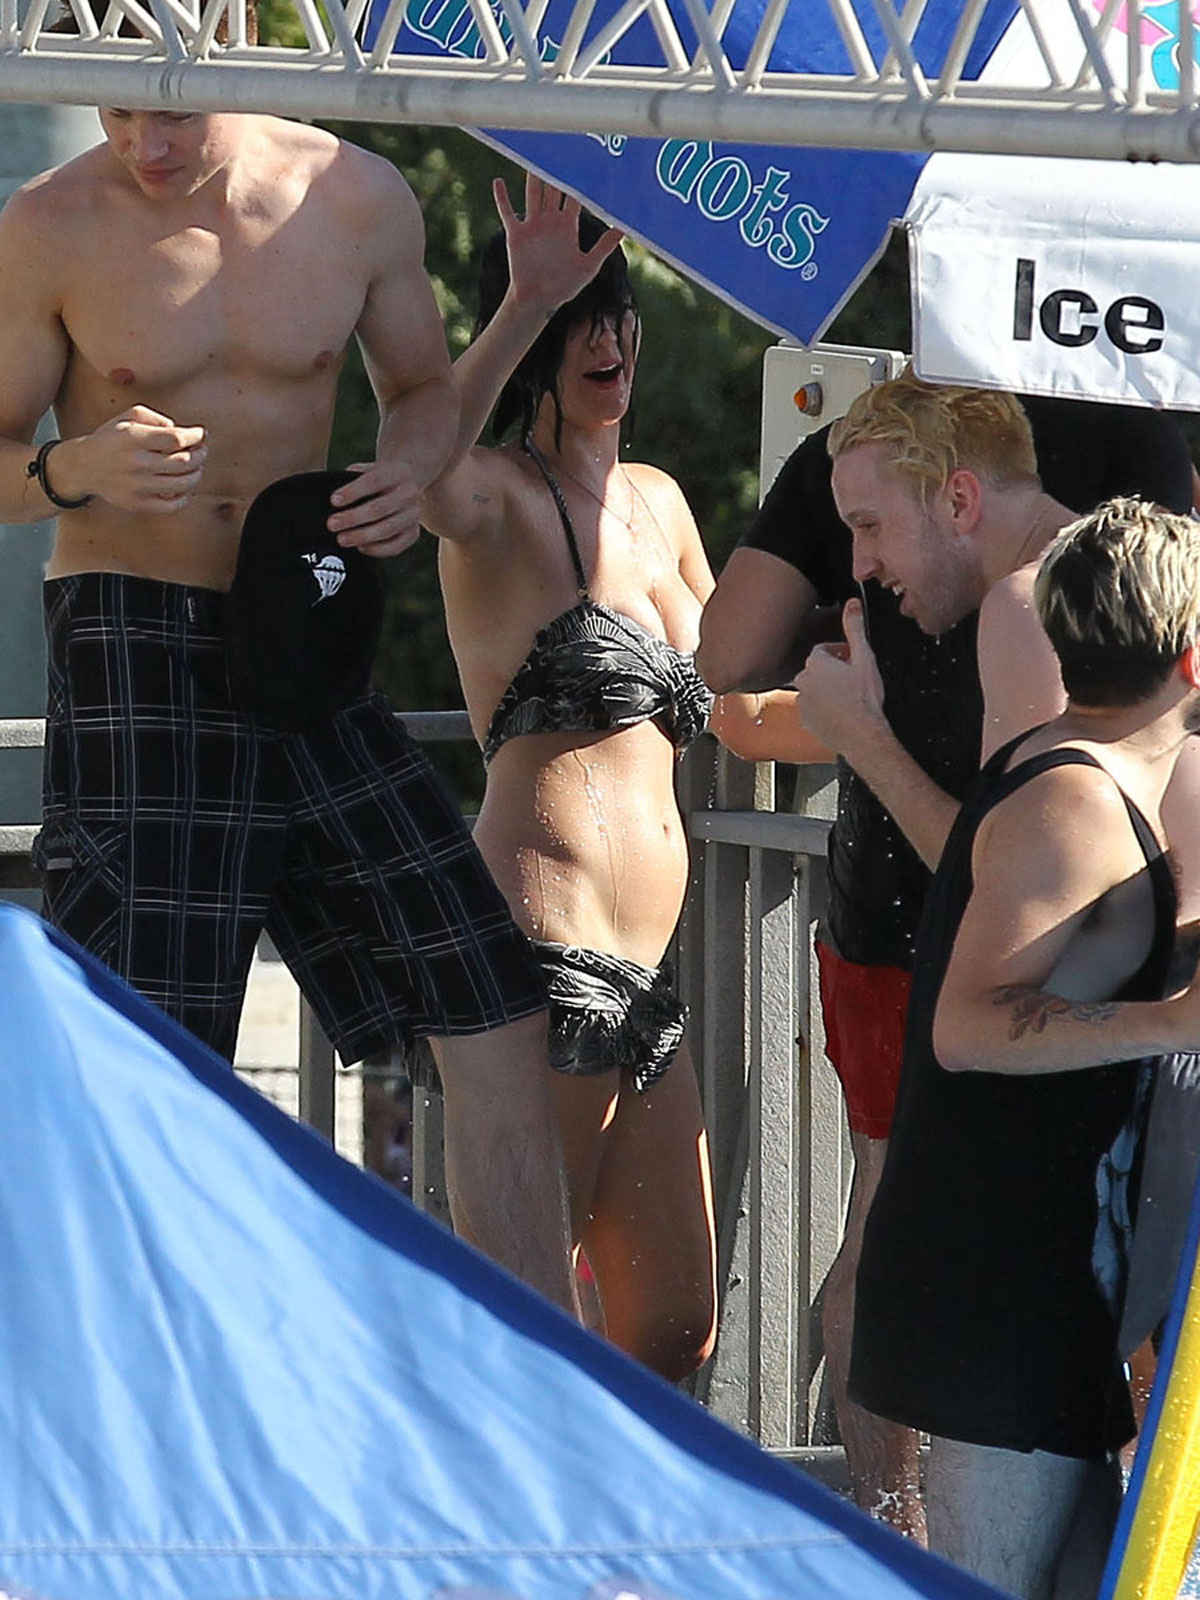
982	1312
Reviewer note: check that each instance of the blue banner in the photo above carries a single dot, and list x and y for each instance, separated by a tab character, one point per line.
234	1367
782	233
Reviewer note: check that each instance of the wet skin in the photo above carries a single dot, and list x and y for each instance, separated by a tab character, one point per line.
189	360
582	830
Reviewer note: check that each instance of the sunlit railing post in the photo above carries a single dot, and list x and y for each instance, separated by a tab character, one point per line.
716	995
823	1147
778	1041
764	878
317	1073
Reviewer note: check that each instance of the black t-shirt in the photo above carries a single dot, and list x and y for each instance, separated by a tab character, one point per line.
1086	452
990	1271
1089	452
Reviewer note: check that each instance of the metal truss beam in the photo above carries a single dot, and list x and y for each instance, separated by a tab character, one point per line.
1091	93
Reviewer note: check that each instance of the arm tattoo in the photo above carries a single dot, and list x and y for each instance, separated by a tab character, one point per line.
1032	1008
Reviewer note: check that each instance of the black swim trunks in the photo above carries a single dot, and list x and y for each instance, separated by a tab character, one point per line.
176	828
609	1014
606	1015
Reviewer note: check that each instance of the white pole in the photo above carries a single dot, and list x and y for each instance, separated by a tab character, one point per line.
641	102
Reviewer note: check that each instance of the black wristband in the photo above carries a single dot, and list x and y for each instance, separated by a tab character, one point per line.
37	469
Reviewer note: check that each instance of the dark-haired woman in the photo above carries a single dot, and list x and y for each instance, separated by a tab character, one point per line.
573	585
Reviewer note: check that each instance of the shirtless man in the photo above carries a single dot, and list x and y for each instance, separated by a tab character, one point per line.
182	295
988	1291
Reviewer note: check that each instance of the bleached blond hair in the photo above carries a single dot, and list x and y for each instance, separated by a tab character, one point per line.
933	429
1118	593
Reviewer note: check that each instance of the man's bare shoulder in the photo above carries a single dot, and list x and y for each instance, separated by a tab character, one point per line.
360	180
346	172
1057	815
1009	623
47	229
1009	597
359	201
63	198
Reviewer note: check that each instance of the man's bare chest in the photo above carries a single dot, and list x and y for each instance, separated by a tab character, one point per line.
169	311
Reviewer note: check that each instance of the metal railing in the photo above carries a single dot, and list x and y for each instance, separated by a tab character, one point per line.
772	1107
1093	87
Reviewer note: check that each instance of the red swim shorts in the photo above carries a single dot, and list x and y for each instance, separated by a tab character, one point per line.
865	1010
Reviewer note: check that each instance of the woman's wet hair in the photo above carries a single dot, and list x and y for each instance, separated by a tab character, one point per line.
1118	594
608	297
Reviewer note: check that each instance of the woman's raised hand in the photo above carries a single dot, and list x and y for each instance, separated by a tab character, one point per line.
545	262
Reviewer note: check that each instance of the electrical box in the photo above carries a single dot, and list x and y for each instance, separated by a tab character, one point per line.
804	389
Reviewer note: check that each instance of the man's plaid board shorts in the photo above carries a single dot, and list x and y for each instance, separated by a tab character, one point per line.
176	827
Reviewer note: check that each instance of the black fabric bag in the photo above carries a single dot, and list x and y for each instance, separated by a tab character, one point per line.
303	616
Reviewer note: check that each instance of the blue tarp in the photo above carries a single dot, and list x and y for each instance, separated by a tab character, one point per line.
234	1366
782	233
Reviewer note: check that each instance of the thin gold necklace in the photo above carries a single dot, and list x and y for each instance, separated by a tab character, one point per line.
600	500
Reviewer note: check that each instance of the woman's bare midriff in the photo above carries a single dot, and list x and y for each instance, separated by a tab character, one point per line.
585	839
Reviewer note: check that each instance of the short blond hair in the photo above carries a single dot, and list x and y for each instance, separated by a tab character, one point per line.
933	429
1118	593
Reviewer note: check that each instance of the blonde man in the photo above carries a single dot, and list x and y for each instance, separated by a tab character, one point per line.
939	488
988	1291
794	559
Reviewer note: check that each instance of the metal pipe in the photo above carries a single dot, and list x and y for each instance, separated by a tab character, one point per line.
637	102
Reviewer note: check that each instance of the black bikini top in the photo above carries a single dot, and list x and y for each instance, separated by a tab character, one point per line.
593	669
